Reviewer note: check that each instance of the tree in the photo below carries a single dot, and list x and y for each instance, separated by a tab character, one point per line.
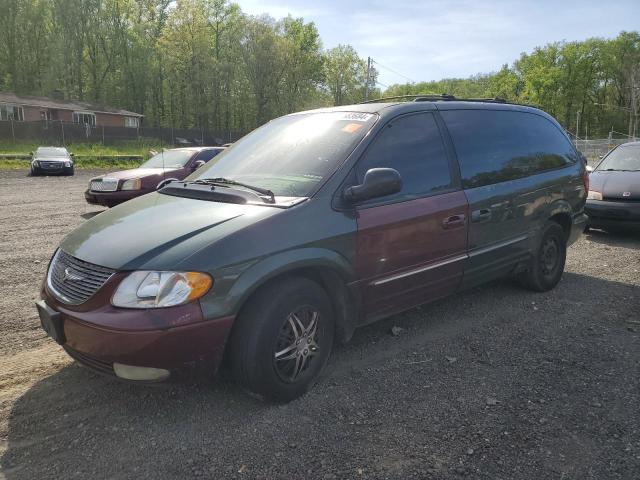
345	74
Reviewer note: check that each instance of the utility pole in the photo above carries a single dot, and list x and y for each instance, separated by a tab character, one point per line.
368	80
577	126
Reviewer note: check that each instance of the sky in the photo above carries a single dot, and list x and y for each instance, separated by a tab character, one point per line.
435	39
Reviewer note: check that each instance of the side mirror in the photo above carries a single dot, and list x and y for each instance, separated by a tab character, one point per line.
378	182
197	164
31	153
589	168
72	154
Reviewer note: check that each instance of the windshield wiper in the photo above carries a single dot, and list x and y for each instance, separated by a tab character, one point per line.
225	182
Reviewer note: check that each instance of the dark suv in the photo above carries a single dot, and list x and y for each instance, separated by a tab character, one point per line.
312	225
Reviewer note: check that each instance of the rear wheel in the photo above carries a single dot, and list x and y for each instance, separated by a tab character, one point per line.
282	339
547	265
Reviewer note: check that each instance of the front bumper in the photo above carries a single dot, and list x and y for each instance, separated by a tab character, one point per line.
98	335
58	167
607	213
111	199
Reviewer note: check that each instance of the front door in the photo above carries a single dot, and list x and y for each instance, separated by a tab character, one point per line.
411	246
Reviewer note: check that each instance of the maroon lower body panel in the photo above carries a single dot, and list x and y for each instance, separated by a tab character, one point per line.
195	345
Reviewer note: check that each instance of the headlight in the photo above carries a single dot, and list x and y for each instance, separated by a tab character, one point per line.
133	184
593	195
36	163
146	289
67	163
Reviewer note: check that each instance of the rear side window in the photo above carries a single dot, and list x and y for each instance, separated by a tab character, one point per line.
495	145
413	146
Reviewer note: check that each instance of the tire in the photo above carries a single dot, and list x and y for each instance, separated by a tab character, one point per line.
547	265
70	172
263	354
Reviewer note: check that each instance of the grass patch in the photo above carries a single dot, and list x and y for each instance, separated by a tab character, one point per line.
128	147
79	164
90	153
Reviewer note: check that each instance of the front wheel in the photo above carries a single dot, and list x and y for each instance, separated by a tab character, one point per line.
282	339
547	265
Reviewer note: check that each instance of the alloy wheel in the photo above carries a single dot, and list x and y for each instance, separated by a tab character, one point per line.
297	343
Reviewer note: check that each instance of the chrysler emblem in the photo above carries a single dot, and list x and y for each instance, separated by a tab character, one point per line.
626	194
69	276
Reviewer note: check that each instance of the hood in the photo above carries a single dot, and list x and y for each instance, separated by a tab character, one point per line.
157	231
139	173
618	185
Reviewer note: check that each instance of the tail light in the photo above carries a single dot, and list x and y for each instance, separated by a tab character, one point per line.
585	180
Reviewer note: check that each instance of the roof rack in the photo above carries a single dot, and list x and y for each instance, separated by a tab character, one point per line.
437	97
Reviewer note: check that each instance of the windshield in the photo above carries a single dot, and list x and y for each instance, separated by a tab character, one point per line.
169	159
291	155
52	152
625	157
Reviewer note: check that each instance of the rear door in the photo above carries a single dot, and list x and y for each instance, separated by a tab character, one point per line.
411	246
507	160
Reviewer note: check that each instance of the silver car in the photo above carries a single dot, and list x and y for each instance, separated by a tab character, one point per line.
46	160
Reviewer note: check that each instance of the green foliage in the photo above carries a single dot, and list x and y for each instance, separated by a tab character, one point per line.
206	64
182	63
597	80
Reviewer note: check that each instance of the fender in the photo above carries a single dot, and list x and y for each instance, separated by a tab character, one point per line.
559	206
270	267
335	270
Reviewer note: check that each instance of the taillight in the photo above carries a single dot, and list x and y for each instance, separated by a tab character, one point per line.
585	180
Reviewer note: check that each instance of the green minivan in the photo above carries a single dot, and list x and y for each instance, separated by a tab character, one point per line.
310	226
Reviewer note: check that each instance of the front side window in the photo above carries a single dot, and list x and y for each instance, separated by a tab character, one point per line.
84	118
169	159
291	155
207	155
11	112
623	158
413	146
497	145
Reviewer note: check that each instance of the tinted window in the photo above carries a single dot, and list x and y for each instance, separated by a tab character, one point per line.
413	146
495	146
207	155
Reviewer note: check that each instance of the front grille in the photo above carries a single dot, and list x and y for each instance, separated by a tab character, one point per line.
104	185
51	165
73	281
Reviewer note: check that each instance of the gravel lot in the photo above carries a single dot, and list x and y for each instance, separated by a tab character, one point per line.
495	383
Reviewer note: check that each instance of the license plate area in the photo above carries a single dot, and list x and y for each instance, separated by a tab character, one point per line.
51	322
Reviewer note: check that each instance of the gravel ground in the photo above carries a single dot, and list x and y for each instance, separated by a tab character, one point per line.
495	383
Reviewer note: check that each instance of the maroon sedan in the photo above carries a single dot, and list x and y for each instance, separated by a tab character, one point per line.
175	164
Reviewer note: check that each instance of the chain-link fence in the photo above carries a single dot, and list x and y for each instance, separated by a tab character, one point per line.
595	149
62	133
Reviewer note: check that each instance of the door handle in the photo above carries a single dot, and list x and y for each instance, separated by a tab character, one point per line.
481	215
454	221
